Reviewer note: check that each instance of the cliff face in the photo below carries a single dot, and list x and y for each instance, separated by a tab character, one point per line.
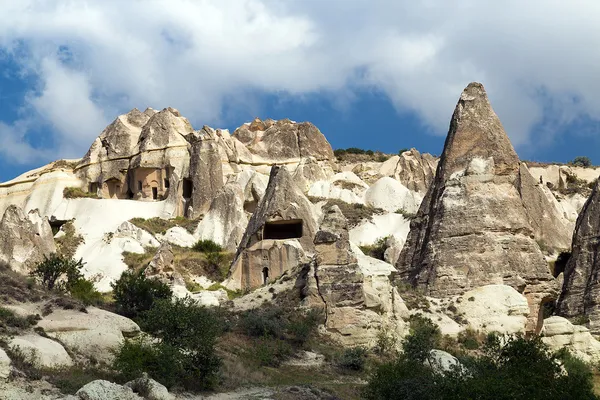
472	228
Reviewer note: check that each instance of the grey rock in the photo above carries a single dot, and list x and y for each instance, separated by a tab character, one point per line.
472	228
105	390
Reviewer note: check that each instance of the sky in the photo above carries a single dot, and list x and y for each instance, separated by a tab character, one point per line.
375	74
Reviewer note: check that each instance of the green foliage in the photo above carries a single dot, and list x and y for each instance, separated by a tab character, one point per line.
582	161
268	352
85	291
402	151
469	339
55	267
207	246
8	319
134	293
75	193
512	367
377	249
406	214
424	336
183	353
353	359
386	344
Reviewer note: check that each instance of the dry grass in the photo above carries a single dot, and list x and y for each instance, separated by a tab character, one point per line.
354	213
159	225
76	193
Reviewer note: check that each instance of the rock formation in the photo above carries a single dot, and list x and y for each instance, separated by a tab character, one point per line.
284	140
472	228
413	169
24	240
206	172
581	288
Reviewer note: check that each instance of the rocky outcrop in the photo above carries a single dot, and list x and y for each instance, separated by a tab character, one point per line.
95	334
206	172
282	203
225	221
558	333
283	141
5	365
581	289
103	390
310	171
354	290
550	227
24	240
391	195
413	169
472	228
345	186
40	351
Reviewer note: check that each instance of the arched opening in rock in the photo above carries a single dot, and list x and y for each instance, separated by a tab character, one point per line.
155	193
287	229
56	224
93	187
265	274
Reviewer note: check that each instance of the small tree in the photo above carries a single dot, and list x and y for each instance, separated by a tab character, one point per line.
582	161
55	267
134	293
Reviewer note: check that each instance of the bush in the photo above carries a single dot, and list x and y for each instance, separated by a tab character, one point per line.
8	319
582	161
423	337
207	246
402	151
183	353
55	267
353	359
511	368
85	291
134	293
376	250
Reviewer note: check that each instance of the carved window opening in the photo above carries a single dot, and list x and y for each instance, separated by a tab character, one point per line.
155	193
93	188
288	229
265	274
188	188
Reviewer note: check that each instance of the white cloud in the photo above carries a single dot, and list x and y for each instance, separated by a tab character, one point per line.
94	59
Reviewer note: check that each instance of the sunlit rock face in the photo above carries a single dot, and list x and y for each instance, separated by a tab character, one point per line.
472	228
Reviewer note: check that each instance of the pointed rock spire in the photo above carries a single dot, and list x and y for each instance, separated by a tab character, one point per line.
472	228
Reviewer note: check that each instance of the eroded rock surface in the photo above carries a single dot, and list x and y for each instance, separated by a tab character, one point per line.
472	228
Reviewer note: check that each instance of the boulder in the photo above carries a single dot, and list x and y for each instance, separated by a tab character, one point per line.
104	390
206	172
310	171
441	361
558	333
179	237
391	195
40	351
581	289
413	169
149	389
24	239
472	228
127	230
95	334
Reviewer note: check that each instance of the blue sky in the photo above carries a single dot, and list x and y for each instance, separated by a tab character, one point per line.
378	74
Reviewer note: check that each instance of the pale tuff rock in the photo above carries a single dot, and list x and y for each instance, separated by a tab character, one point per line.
550	226
206	170
472	228
127	230
353	289
345	186
103	390
178	236
558	333
282	203
253	184
581	290
441	361
368	232
40	351
494	308
95	334
413	169
309	171
225	221
5	367
149	389
283	140
390	195
162	266
24	239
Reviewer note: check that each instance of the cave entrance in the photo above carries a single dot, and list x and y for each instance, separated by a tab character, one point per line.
561	263
288	229
265	274
188	188
155	193
93	187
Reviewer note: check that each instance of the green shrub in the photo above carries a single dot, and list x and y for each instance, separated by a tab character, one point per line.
424	336
183	353
134	293
207	246
269	352
582	161
8	319
402	151
377	249
353	359
264	322
55	267
85	291
469	339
